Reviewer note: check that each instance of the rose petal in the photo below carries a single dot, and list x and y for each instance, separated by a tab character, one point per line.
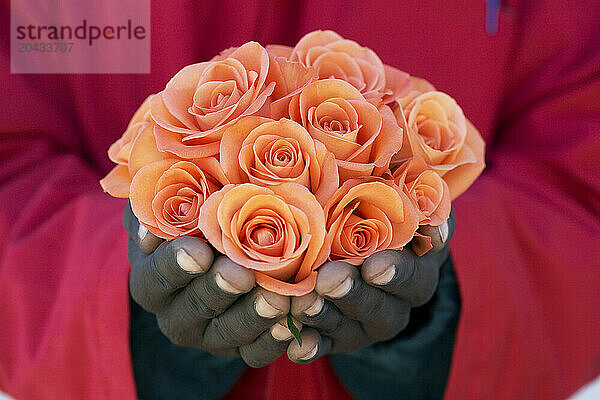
299	288
117	182
300	197
280	50
119	151
463	176
207	221
389	140
231	144
170	141
328	180
421	244
397	82
315	38
178	93
290	78
144	150
142	190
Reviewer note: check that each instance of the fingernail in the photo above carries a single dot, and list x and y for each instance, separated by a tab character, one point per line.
315	307
280	331
385	276
310	354
186	262
342	289
226	286
264	309
142	232
443	229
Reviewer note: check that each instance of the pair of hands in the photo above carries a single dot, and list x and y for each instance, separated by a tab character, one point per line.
214	305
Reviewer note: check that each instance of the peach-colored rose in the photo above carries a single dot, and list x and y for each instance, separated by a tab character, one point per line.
277	231
332	56
266	153
119	151
365	216
417	86
166	195
426	189
362	137
202	99
131	151
436	129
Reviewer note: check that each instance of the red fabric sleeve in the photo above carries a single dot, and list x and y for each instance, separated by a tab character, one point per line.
64	324
526	245
62	275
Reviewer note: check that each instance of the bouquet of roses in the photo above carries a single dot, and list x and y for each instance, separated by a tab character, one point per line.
284	158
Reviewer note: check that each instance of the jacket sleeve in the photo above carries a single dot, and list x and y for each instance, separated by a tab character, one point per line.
526	245
63	265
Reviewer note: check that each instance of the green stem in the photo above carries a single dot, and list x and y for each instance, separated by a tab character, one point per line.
293	329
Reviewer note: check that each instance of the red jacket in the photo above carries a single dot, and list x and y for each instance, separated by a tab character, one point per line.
526	246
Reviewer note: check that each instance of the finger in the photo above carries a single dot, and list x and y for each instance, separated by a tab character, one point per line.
404	274
269	345
217	290
381	315
316	312
243	322
440	235
437	235
313	346
142	237
185	318
155	277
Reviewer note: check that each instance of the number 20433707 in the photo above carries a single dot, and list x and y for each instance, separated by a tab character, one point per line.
45	47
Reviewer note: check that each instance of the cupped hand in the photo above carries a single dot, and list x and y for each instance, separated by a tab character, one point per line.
204	302
351	309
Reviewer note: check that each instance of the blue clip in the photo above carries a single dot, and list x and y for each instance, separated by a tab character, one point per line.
492	15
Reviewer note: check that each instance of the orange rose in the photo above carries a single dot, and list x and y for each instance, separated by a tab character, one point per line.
202	99
427	190
436	129
365	216
132	151
332	56
276	231
266	153
166	195
362	137
417	86
119	151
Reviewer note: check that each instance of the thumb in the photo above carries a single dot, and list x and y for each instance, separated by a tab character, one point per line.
143	238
